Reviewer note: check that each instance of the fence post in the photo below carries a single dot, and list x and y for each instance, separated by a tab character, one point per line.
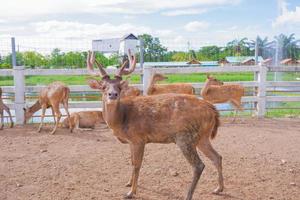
19	83
147	75
261	78
141	57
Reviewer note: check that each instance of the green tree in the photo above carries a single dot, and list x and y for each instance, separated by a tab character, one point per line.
287	46
238	47
209	53
153	49
33	59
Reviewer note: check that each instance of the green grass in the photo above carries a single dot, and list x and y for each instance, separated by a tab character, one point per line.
289	110
172	78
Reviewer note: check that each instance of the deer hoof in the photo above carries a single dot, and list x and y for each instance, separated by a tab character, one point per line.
218	190
128	184
129	195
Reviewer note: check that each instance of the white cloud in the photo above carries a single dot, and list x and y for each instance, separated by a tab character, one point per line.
190	11
68	29
287	17
20	9
196	26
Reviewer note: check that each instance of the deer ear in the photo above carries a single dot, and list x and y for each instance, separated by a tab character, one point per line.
95	84
124	84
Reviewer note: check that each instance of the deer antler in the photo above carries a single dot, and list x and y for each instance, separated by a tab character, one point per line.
90	62
132	64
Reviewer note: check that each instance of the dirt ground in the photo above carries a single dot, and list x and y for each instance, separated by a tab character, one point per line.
261	160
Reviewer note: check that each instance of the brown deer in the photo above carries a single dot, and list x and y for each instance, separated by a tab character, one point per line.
181	88
50	97
83	120
6	108
214	91
182	119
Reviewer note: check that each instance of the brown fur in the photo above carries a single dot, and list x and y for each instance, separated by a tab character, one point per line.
2	108
215	92
50	97
84	119
180	88
130	91
167	118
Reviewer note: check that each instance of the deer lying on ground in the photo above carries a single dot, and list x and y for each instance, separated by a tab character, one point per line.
182	119
214	91
181	88
50	97
2	108
83	120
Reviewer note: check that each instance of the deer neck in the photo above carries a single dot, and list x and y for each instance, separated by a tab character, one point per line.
113	114
35	107
205	88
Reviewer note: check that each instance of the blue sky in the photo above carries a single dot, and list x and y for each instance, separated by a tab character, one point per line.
175	22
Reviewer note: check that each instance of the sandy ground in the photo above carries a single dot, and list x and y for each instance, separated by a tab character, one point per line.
260	159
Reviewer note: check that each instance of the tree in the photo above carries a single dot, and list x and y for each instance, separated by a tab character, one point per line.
264	46
33	59
153	49
209	53
287	46
238	47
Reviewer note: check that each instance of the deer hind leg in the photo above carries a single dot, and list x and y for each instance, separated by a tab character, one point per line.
237	106
66	106
190	153
206	148
42	118
137	153
2	119
9	114
58	116
53	114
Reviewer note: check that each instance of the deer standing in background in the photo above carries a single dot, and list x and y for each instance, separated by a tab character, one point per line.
214	91
182	119
181	88
50	97
83	120
2	108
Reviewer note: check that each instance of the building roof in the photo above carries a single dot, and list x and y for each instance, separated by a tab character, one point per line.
193	61
287	60
241	59
129	36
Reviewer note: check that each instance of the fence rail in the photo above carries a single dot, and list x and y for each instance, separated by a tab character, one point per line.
261	84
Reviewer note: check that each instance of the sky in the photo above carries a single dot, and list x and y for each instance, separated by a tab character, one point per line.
178	23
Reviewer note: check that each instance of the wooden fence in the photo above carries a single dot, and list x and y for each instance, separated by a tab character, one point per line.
260	83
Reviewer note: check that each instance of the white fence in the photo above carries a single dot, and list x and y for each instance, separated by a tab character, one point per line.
260	73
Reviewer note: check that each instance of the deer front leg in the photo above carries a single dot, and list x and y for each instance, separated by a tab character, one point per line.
9	114
66	106
58	115
2	120
137	153
42	119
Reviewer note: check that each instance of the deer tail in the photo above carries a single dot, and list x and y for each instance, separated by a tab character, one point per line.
217	123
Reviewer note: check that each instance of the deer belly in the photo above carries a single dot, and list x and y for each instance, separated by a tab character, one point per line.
87	123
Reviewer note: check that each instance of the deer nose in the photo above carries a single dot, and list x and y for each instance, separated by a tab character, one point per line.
112	95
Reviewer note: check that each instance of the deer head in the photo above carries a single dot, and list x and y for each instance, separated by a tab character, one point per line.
110	87
27	115
213	81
